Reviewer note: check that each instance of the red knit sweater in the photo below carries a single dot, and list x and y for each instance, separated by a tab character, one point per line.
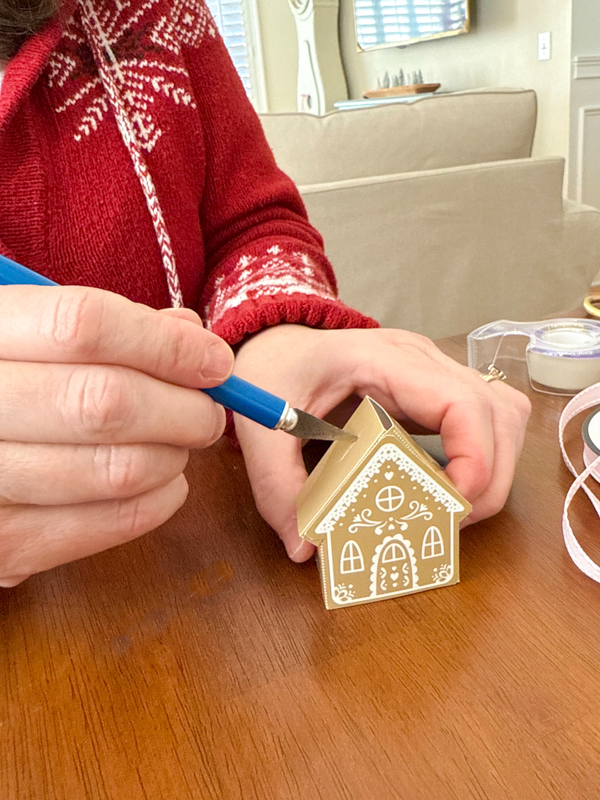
131	160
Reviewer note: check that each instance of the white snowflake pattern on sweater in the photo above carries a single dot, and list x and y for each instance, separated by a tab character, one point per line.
137	46
275	275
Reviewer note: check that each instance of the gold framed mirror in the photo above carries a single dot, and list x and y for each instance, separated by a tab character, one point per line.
396	23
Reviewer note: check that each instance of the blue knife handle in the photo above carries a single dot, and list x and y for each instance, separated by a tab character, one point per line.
11	272
235	394
249	401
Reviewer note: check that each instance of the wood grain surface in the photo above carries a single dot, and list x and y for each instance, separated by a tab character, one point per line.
199	663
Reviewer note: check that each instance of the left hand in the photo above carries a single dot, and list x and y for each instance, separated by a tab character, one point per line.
482	425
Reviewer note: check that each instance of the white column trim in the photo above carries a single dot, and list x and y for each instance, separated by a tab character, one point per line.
319	85
584	113
586	67
255	56
310	96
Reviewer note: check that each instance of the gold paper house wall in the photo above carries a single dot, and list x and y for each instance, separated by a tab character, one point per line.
382	513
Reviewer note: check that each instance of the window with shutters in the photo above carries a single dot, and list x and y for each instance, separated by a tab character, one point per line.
380	22
237	21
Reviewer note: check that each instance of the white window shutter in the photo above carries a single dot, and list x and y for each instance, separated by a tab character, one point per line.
237	21
390	21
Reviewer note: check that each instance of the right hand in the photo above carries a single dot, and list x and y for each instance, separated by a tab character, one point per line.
482	425
99	405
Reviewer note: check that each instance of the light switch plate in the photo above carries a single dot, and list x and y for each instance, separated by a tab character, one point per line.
544	46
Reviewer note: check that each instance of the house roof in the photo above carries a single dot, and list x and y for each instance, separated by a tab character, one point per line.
318	502
389	452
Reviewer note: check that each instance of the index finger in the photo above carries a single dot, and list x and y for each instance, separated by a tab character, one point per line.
77	324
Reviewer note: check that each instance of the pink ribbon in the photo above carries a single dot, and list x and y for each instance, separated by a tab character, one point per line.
588	398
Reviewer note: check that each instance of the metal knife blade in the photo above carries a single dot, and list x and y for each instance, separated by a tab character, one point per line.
309	427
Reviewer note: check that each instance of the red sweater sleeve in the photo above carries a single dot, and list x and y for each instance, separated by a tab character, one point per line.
264	262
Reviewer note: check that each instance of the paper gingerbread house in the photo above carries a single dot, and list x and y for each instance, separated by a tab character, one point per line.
382	513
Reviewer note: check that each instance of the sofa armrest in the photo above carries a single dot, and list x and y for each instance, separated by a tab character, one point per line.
443	251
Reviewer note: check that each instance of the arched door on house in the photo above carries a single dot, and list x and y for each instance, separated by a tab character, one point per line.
394	570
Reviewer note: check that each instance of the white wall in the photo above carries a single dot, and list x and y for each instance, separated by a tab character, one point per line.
280	53
500	50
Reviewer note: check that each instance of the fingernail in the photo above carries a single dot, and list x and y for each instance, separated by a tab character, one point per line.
218	361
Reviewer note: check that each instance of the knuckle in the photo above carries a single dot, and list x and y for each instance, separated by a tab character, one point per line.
140	514
482	475
12	466
219	424
214	427
135	517
517	412
411	339
74	323
425	343
16	553
489	505
262	488
519	416
184	455
524	407
496	503
175	348
181	346
516	404
263	491
99	399
10	581
122	469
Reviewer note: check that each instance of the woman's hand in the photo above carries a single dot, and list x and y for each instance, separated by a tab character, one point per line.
482	424
98	408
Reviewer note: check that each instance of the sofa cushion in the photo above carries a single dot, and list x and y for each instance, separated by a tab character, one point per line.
445	130
444	251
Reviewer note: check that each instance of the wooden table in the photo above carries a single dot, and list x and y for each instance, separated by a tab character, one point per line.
200	663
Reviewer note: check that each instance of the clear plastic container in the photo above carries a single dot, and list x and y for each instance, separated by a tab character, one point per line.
562	356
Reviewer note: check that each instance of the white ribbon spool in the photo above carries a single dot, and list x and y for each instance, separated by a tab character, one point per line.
588	398
591	442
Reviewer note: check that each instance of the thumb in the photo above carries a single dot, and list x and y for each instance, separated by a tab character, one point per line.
276	471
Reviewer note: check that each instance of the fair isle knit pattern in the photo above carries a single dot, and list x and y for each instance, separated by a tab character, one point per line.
255	277
128	146
129	83
141	69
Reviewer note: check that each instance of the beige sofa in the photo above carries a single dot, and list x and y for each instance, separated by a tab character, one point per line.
434	214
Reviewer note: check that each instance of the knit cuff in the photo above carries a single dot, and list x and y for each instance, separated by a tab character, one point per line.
314	312
267	290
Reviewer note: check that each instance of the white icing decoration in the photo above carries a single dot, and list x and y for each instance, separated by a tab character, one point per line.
386	453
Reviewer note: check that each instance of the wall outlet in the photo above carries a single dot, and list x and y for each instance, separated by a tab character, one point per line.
544	46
